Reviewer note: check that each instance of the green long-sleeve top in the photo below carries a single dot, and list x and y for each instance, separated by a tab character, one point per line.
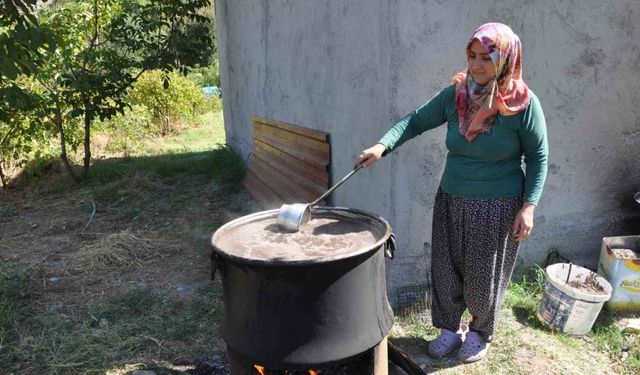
491	165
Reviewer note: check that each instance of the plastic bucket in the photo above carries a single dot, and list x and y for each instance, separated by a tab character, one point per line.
569	309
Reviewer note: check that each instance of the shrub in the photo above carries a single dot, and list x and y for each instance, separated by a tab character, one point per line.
40	150
171	99
126	132
206	75
25	134
214	104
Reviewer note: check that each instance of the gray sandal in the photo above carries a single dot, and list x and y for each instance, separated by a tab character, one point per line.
474	348
444	344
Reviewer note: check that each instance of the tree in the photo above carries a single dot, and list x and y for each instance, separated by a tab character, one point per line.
23	41
88	54
106	45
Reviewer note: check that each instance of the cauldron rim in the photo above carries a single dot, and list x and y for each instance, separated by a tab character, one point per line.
284	263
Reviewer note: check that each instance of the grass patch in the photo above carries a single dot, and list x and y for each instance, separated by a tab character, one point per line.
13	286
132	184
522	297
522	345
413	325
526	292
621	346
123	330
160	188
193	139
221	162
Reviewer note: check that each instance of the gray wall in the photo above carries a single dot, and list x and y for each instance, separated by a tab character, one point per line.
354	68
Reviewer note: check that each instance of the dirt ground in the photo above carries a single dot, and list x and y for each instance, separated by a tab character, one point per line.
54	236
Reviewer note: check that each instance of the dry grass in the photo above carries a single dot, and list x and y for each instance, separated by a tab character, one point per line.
124	250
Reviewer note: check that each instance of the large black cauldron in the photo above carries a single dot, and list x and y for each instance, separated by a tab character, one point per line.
298	313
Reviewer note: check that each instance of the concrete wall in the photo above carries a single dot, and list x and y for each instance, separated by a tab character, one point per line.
354	68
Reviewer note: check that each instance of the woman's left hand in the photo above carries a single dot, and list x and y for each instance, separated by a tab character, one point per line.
523	223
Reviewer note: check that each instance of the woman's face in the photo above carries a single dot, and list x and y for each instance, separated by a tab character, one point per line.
480	64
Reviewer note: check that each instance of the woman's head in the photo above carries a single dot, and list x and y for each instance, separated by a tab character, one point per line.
492	82
494	51
480	63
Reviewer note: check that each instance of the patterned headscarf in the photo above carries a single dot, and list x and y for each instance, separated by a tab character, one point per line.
506	93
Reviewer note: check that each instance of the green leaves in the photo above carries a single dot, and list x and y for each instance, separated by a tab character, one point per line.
85	55
165	34
23	41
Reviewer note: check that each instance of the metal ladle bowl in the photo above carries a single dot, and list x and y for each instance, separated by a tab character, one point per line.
292	216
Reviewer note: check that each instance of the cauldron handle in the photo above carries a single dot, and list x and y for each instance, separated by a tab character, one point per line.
390	246
215	264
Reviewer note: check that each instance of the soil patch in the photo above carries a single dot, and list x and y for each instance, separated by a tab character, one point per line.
625	254
129	242
589	285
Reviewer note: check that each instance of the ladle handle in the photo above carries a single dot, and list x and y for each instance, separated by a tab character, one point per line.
334	187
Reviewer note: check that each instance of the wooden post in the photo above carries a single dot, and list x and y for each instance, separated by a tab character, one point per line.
238	365
381	359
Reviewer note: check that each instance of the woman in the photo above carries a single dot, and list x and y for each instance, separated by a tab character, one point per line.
484	205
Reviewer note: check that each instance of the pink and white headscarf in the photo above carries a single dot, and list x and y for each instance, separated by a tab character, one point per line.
506	93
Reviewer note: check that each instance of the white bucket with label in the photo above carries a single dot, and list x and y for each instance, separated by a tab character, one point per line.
571	305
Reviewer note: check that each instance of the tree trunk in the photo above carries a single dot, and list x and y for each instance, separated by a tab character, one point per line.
3	179
88	118
63	144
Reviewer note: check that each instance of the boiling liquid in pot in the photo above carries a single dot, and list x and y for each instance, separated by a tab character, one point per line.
328	236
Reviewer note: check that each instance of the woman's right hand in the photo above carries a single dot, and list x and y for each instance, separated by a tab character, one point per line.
370	155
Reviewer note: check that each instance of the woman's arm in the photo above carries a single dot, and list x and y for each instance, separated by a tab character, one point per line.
371	155
533	137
